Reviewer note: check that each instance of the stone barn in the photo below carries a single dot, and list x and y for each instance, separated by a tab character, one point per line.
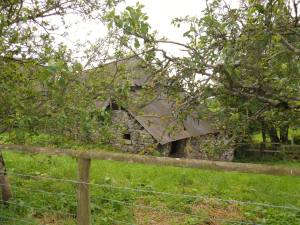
154	126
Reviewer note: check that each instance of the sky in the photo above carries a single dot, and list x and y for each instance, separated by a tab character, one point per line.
160	12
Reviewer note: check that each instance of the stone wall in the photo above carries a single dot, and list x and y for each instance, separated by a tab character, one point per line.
129	135
210	147
164	150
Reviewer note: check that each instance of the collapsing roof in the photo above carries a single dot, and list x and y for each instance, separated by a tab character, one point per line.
157	117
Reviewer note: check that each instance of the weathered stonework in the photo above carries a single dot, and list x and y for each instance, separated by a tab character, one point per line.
211	147
130	136
164	150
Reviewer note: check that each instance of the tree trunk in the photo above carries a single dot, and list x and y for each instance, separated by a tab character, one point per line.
263	131
273	135
284	134
4	183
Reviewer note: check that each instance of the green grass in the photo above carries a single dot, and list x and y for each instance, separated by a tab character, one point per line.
272	161
46	140
44	201
267	189
257	138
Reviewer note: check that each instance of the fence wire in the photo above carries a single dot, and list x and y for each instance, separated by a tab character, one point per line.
126	204
131	192
261	204
132	205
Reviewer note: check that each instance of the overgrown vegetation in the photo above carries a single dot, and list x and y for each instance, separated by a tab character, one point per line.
241	63
54	141
238	66
240	69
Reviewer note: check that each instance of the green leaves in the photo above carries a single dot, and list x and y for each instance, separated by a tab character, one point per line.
242	58
132	25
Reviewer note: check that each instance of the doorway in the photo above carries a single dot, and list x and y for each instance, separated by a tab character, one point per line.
177	149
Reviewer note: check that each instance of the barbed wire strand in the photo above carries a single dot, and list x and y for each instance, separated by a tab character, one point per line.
174	212
55	194
163	193
62	194
74	195
126	204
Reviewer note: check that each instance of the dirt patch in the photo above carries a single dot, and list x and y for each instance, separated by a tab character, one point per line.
202	213
54	220
217	213
155	217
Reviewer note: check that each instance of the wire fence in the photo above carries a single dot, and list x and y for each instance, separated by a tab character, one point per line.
63	215
267	150
139	190
35	210
43	199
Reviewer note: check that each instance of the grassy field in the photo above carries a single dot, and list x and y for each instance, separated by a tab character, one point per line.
48	201
295	133
271	161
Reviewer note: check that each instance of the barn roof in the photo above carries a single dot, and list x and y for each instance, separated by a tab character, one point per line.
157	117
159	120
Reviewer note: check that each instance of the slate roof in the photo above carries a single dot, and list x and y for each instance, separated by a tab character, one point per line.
158	117
159	120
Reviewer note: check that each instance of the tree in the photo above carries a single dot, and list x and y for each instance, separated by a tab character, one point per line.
36	74
244	62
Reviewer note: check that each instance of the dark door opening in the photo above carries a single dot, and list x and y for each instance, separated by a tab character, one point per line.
177	149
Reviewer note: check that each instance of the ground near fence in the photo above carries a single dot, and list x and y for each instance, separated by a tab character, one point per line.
44	190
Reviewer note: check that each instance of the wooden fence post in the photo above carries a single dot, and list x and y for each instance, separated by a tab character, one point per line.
83	201
5	186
